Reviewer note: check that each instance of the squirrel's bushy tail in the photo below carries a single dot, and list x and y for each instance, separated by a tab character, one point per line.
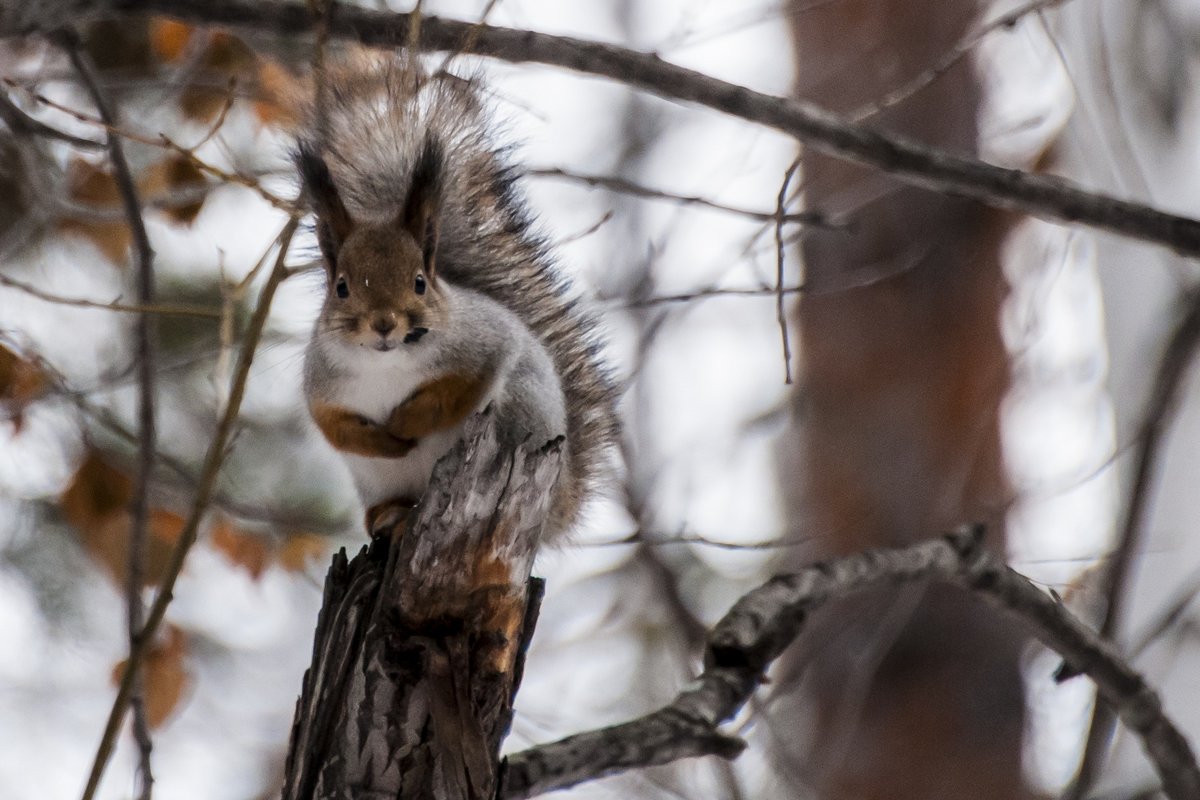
371	124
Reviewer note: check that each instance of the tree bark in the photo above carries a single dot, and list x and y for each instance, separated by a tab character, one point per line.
421	638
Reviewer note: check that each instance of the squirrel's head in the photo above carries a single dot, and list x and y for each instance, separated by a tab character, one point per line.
382	288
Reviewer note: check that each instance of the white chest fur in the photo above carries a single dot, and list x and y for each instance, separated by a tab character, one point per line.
372	383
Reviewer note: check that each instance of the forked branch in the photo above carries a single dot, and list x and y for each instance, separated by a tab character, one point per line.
756	630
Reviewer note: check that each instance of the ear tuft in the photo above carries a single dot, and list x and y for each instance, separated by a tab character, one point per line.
333	220
420	214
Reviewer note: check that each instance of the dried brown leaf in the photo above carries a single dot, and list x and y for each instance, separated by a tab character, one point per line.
170	177
250	551
96	504
278	89
169	38
164	674
21	383
92	187
98	491
299	550
226	56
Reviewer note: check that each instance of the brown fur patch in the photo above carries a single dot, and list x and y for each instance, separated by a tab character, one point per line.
441	403
354	433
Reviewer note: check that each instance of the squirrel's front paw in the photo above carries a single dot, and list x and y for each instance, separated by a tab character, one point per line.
384	443
401	423
395	447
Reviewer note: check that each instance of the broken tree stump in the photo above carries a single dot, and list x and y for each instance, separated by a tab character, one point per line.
421	637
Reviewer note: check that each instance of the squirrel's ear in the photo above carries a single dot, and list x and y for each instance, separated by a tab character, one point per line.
420	214
333	220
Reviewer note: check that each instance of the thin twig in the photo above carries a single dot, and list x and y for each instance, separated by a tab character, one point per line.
204	492
470	38
247	181
20	122
162	309
652	539
763	623
780	311
951	57
1042	196
605	218
187	479
187	476
624	186
162	141
219	122
1167	618
321	11
145	356
1172	369
665	582
167	199
706	294
412	37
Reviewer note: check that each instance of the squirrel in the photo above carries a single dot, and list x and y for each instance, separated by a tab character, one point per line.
440	300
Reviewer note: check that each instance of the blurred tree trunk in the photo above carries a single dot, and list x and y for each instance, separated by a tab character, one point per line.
903	373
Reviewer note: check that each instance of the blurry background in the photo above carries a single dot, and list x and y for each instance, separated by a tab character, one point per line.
950	364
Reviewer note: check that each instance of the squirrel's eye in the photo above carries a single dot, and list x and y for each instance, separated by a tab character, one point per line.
420	285
342	289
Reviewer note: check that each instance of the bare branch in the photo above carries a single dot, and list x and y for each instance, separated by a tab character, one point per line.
952	57
219	122
20	122
1042	196
162	141
1172	368
780	315
757	629
204	492
1167	618
163	309
624	186
168	199
705	294
145	356
659	539
187	479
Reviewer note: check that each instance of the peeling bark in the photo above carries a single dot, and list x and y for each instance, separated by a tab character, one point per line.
421	638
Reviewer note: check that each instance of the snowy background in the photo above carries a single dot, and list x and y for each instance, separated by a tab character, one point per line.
703	399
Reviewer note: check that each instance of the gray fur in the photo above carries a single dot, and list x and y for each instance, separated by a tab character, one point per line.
478	336
375	122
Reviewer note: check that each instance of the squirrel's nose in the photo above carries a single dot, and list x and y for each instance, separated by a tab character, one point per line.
383	324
